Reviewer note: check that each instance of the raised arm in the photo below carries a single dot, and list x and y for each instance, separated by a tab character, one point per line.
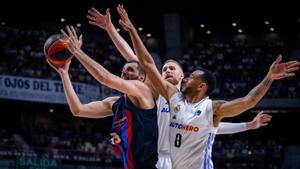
130	87
96	109
277	71
259	121
162	86
104	22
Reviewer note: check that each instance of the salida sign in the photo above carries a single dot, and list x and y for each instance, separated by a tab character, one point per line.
36	163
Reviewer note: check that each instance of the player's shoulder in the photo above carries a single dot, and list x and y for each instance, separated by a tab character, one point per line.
178	96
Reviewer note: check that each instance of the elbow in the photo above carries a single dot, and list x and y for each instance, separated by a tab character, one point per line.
76	111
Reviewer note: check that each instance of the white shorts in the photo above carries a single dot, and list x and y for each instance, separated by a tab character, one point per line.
164	162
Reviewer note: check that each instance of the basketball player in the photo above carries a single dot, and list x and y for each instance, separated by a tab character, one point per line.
173	73
135	122
194	117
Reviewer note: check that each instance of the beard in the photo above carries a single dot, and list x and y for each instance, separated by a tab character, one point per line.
128	77
133	77
186	90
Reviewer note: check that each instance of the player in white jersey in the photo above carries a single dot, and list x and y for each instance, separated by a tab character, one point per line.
194	117
172	72
164	160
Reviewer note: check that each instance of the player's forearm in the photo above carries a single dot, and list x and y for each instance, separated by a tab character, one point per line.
94	68
232	128
142	53
250	125
122	46
147	62
71	96
256	94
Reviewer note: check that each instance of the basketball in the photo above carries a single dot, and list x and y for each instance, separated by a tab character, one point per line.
56	50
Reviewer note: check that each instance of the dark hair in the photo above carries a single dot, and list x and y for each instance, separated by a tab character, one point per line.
210	79
174	61
140	69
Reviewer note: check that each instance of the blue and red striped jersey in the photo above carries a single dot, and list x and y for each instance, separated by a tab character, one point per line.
135	135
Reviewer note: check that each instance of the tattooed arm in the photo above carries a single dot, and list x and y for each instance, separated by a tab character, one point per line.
235	107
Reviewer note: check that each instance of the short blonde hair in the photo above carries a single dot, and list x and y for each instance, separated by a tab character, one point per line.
174	61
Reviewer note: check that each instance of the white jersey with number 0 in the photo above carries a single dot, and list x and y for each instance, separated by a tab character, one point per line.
191	133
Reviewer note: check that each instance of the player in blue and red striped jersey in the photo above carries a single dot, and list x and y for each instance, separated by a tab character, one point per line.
135	122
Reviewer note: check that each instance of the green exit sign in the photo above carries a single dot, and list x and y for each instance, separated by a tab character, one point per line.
36	163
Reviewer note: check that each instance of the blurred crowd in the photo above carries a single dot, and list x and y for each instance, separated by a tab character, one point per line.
64	145
238	65
22	54
241	65
232	152
228	151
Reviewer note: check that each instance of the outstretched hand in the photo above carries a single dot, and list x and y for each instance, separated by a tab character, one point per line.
74	43
124	21
260	120
98	19
282	70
